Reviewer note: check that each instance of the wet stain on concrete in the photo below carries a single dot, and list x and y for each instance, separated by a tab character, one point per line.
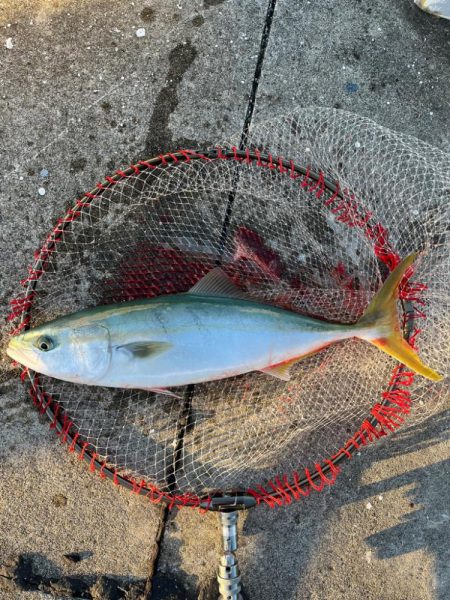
148	14
78	165
351	87
59	500
160	138
25	573
209	3
198	21
106	106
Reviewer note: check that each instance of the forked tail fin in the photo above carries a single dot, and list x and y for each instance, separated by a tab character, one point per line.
381	318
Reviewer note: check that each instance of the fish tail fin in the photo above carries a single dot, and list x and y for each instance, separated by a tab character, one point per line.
383	327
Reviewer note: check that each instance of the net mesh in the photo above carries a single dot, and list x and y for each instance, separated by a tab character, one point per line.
320	243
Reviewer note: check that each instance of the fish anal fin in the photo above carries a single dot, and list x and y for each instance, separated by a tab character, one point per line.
217	283
281	370
144	349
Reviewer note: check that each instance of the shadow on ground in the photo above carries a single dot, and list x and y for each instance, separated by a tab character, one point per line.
426	528
25	573
423	525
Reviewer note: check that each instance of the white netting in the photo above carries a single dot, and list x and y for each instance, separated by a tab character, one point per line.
160	231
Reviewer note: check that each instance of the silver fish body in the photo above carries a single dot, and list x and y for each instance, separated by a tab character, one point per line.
211	332
177	340
207	338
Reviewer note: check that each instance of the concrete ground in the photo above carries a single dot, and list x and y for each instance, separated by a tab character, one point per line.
83	92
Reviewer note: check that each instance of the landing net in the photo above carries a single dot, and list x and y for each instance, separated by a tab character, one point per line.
311	216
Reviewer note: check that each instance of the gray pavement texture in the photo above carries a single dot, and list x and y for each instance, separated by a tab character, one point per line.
83	92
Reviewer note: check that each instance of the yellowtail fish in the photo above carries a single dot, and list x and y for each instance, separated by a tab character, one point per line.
440	8
211	332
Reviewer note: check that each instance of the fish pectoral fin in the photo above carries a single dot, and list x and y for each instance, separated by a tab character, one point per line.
217	283
282	370
144	349
164	391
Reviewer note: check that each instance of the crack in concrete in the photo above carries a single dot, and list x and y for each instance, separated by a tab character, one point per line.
160	140
258	70
154	558
249	113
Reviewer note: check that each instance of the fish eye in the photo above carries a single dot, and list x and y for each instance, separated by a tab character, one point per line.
45	343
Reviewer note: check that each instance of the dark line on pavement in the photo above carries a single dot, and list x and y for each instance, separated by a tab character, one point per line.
248	119
258	70
182	424
156	554
159	139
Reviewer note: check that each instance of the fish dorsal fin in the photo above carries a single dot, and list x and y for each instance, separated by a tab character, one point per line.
282	370
144	349
217	283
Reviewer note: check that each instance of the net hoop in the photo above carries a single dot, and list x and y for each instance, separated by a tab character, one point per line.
385	416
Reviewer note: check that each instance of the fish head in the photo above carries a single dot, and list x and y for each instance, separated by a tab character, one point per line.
80	353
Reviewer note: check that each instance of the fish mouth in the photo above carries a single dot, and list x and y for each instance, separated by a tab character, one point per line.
18	353
15	352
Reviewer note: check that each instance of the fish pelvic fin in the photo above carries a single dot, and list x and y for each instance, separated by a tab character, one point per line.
384	330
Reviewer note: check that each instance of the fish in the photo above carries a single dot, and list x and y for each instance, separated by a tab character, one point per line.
213	331
440	8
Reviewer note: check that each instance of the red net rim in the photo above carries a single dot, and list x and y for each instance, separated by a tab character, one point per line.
385	416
